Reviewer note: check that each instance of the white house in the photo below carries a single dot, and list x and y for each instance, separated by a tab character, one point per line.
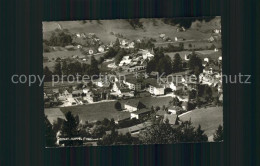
131	45
79	46
162	35
125	61
134	105
187	57
101	49
156	90
147	55
206	59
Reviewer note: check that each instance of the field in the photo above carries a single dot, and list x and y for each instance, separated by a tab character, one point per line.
152	28
209	118
53	113
51	56
99	111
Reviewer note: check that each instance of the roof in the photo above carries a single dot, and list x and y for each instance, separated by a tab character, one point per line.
171	117
134	128
135	103
131	79
142	111
177	108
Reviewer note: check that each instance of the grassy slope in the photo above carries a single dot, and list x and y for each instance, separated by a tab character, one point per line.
99	111
198	30
209	118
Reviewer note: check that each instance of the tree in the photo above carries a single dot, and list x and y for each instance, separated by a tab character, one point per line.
70	126
192	94
93	69
57	69
195	62
117	43
119	56
118	106
200	136
175	102
163	133
177	63
219	134
50	135
64	68
47	73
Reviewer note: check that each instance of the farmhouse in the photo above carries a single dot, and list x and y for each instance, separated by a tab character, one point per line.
101	49
134	105
140	114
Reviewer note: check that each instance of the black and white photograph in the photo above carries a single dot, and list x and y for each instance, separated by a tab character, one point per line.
132	81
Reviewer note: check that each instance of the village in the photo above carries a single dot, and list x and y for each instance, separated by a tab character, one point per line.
163	78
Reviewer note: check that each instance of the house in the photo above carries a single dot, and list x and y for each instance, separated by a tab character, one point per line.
79	46
146	54
211	69
162	35
178	39
131	45
221	98
134	105
122	118
175	87
101	49
181	29
157	89
92	97
101	82
69	47
123	42
140	114
125	61
187	57
206	59
174	109
217	31
184	106
133	83
211	39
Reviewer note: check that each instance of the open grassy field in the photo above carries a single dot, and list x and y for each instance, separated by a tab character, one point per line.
209	118
53	114
152	28
99	111
51	56
96	111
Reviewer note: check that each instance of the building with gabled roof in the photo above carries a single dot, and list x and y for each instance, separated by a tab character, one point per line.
134	105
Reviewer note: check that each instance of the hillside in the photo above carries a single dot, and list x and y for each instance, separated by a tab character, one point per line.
152	28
